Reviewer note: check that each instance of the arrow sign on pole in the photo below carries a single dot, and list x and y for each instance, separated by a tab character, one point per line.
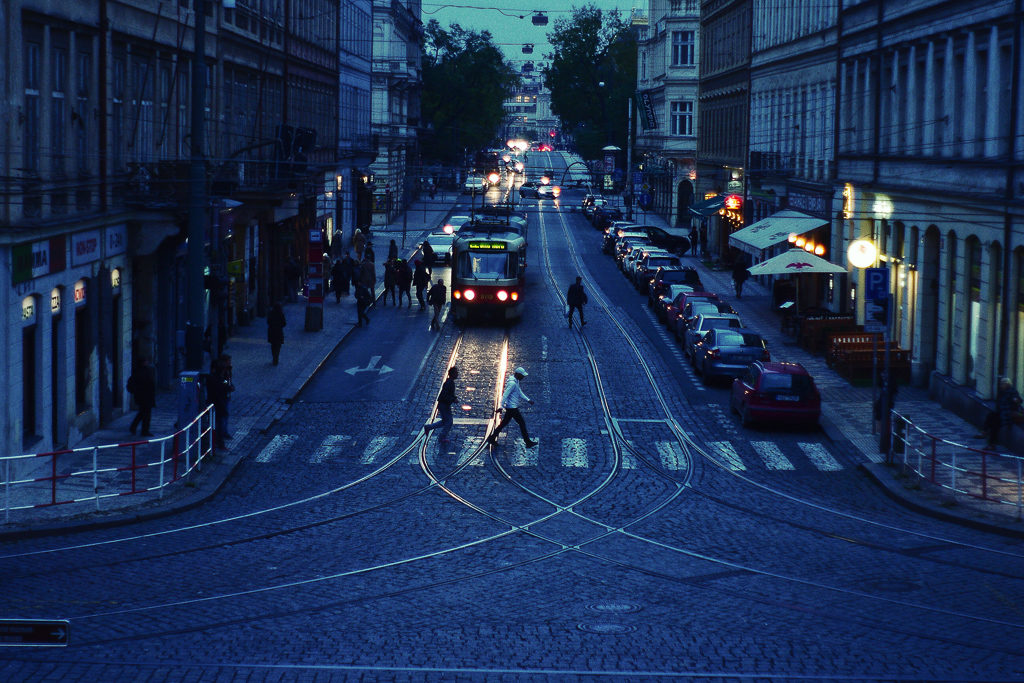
34	632
371	367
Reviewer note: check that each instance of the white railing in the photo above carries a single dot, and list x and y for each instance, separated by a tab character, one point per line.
958	468
93	474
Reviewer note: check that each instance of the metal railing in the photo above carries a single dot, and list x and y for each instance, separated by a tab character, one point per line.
958	468
79	476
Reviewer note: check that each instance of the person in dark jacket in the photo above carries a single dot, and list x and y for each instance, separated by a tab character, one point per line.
218	392
428	257
576	297
275	330
739	276
390	282
142	387
337	281
368	254
348	266
421	278
444	406
363	301
436	297
403	276
392	251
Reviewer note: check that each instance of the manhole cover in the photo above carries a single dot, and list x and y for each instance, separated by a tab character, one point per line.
615	607
606	629
894	585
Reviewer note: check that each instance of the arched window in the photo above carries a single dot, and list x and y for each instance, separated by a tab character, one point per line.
952	300
974	298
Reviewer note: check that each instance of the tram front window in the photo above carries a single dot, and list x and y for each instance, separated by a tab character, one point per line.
487	266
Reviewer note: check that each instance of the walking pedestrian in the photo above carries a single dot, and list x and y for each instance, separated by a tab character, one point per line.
142	387
226	374
368	254
576	297
347	268
444	406
275	330
693	240
510	402
337	280
428	257
363	300
436	297
421	278
403	276
359	243
703	240
739	276
392	251
390	282
368	275
1008	407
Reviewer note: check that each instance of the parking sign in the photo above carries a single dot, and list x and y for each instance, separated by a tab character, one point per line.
876	283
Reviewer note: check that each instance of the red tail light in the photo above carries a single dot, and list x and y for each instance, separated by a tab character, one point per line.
766	357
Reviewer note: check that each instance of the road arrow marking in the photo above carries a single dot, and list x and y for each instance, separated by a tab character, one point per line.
371	367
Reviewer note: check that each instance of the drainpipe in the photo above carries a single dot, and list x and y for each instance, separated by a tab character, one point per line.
1011	164
876	106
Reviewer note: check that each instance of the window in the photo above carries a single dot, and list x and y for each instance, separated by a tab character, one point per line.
682	48
58	106
682	118
472	264
31	161
81	116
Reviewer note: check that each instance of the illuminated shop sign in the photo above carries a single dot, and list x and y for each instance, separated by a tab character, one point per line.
55	301
35	259
80	292
85	247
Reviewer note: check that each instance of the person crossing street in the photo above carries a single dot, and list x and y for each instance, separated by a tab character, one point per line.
444	406
510	402
576	298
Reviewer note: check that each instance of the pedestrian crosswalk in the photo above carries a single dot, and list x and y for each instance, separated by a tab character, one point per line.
570	453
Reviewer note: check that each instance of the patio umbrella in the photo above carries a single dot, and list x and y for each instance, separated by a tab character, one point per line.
795	261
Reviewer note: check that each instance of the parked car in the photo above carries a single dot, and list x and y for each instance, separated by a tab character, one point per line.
674	309
776	392
529	190
475	184
665	299
632	263
625	247
441	242
728	353
670	241
700	326
649	263
611	240
671	275
696	307
604	215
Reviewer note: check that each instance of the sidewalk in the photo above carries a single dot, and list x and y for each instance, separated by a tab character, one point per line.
847	410
262	391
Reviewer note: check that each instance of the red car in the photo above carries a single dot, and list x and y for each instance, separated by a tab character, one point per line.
776	392
675	309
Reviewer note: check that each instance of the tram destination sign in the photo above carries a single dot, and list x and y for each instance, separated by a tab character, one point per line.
488	246
35	632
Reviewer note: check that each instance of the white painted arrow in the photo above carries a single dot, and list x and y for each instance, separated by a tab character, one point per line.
371	367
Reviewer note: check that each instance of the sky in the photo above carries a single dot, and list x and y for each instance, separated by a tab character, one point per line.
501	18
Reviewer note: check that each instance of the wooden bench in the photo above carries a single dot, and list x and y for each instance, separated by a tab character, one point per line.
857	365
814	332
850	341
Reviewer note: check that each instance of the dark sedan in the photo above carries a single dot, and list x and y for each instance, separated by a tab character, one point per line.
671	275
529	190
728	352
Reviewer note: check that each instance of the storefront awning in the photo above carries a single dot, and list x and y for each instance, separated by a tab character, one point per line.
708	206
766	233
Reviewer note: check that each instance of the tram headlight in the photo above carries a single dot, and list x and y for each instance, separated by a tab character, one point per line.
469	295
502	295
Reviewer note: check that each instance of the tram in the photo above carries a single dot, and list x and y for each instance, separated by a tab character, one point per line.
488	265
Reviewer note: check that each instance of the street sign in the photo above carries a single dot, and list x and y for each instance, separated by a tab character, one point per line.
876	315
34	632
876	283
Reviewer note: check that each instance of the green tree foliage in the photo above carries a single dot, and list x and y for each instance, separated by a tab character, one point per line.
592	47
465	81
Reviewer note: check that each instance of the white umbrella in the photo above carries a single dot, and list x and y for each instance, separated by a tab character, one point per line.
795	261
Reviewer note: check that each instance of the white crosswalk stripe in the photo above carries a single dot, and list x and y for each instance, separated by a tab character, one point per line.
672	456
277	444
725	451
772	456
820	457
330	447
469	446
574	453
377	445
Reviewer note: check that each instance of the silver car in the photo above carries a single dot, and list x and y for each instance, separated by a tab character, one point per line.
700	325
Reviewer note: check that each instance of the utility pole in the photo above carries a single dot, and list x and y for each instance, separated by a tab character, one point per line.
629	158
198	213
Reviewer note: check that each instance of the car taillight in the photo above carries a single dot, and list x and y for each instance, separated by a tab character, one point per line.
469	295
714	353
502	295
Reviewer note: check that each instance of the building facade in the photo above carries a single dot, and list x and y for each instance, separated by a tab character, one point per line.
395	103
930	141
723	117
666	132
97	105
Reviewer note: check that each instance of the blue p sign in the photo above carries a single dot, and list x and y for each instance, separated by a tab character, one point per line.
876	283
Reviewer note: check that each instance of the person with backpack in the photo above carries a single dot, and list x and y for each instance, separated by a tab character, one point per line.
363	301
421	278
403	276
142	387
576	297
444	406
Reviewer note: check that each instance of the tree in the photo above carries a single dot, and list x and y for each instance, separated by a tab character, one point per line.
591	48
465	83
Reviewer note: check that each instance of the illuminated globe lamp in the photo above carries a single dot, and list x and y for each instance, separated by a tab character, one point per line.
861	253
819	250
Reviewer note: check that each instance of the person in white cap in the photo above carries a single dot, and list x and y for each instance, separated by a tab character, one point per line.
510	402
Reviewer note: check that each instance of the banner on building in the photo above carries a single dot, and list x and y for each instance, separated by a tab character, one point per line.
645	109
35	259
